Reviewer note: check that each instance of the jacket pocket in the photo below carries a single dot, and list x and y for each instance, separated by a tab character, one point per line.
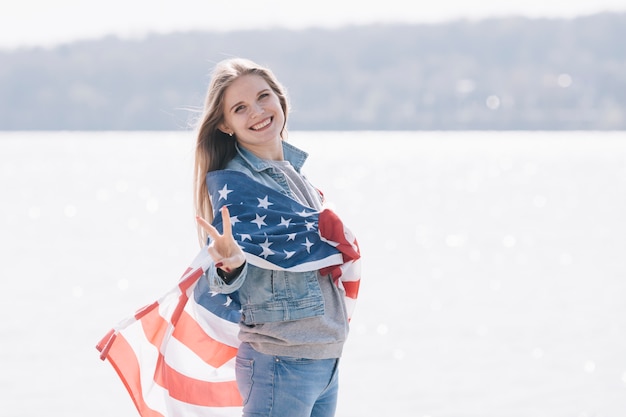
273	296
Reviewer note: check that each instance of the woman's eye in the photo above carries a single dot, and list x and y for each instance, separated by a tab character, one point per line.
264	95
239	109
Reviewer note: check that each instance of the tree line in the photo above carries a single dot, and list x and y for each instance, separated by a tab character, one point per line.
502	73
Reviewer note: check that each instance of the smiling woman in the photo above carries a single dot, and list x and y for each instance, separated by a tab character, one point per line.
277	271
242	97
268	241
255	115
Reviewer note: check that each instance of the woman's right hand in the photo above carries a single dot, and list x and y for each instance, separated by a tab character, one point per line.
226	253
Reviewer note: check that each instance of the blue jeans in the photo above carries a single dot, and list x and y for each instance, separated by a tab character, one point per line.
282	386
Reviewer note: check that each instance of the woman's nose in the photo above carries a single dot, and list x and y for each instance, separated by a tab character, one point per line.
257	110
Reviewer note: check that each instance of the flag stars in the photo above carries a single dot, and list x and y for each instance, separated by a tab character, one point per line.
259	220
234	220
266	248
288	254
308	245
245	236
304	213
309	225
265	203
291	236
224	192
284	222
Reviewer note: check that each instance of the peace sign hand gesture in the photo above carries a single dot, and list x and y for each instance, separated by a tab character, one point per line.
226	253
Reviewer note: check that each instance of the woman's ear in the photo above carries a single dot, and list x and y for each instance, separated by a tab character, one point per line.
225	129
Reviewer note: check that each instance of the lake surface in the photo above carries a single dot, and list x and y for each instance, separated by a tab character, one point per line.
494	274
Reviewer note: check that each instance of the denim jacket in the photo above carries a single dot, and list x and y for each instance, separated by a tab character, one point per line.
267	295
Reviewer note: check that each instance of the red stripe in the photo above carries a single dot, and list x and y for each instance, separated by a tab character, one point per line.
154	327
213	352
184	284
182	300
145	310
195	391
124	360
188	332
105	344
179	386
352	288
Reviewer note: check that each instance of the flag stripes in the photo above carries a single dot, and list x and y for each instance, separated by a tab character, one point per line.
176	356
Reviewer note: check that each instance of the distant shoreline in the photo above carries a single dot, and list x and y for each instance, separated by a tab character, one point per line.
503	74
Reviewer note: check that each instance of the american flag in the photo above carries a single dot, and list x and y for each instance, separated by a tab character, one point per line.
176	356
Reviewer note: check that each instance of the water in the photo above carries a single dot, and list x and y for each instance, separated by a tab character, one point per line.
494	282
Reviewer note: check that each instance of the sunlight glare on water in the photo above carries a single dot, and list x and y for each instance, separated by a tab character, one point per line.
493	281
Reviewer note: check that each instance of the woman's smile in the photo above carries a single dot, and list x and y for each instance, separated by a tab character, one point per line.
262	124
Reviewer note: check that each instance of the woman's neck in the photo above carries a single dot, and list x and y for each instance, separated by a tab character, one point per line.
272	153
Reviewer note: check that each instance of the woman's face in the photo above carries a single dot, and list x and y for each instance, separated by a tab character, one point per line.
253	113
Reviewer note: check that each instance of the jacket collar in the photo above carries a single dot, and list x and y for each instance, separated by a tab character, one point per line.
294	155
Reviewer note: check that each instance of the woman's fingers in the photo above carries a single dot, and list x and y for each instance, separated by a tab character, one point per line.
208	227
223	249
228	231
226	260
212	231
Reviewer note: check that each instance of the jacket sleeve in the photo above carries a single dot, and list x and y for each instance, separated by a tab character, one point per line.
220	285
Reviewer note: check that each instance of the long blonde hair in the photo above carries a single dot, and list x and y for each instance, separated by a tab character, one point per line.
214	148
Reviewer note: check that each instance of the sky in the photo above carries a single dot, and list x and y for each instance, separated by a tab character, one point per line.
26	23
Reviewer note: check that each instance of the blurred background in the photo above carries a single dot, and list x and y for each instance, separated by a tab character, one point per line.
522	65
477	149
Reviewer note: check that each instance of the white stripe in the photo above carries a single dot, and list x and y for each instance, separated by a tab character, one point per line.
336	259
350	305
216	327
147	355
168	303
184	360
202	259
158	398
351	271
179	408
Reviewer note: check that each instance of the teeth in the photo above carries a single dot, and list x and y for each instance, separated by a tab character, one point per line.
262	124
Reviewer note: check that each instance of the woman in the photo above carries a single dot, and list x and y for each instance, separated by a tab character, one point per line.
294	317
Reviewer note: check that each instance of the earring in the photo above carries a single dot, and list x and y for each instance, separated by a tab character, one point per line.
230	134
